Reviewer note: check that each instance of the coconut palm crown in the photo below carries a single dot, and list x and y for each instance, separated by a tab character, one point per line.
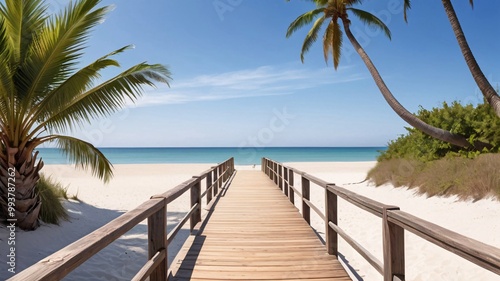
45	92
331	13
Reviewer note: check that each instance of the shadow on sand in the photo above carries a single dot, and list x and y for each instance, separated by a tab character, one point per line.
120	260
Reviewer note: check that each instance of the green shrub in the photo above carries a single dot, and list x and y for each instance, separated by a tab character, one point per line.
52	193
435	167
477	123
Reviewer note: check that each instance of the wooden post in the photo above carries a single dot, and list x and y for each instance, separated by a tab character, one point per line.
275	173
262	162
280	176
306	210
285	180
195	199
222	170
394	248
291	192
209	183
219	183
271	170
331	209
157	241
215	182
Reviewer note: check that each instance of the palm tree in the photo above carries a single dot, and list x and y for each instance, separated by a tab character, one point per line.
331	12
43	94
483	84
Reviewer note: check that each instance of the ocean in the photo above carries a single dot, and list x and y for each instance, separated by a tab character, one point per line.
242	155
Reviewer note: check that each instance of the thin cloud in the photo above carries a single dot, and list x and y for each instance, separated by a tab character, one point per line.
259	82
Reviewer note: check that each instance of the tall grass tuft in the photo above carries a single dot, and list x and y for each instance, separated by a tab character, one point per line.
52	193
467	178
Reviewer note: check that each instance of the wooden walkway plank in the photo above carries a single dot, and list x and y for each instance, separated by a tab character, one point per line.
255	233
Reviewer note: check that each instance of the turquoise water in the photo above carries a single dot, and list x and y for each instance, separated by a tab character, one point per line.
242	155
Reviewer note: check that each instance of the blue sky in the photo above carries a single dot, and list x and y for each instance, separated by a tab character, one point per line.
237	81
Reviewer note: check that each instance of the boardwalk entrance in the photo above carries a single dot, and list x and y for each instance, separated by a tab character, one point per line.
255	233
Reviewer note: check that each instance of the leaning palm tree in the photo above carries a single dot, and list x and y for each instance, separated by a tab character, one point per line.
43	94
482	82
333	13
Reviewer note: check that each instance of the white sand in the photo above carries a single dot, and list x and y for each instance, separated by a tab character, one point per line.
133	184
424	260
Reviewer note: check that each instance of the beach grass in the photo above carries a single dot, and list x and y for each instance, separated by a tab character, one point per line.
52	193
466	178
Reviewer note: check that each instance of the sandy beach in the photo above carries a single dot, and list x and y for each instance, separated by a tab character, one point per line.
135	183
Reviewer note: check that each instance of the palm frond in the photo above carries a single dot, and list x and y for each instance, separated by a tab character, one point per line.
337	43
302	20
84	155
328	41
406	7
23	19
6	85
371	19
332	42
311	37
57	48
69	89
106	98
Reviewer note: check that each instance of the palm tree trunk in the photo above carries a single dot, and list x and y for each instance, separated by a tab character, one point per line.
411	119
27	200
484	85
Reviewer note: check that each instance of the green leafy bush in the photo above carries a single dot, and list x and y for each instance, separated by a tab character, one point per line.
435	167
477	123
51	194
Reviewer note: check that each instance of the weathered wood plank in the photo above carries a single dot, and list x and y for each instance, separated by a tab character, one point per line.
254	233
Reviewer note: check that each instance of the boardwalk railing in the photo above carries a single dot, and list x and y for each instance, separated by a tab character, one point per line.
394	221
61	263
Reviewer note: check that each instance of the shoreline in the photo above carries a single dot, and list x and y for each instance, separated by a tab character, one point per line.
135	183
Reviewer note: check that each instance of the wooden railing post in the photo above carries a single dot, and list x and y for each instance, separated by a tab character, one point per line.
224	172
219	183
272	170
195	199
331	209
215	182
280	176
291	192
275	173
394	248
209	183
285	180
157	241
306	210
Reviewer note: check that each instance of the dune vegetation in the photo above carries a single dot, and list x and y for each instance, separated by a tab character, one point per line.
417	160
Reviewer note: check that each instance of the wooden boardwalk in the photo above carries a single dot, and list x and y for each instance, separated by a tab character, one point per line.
255	233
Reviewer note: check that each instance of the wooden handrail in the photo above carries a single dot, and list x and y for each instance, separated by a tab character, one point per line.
62	262
394	220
